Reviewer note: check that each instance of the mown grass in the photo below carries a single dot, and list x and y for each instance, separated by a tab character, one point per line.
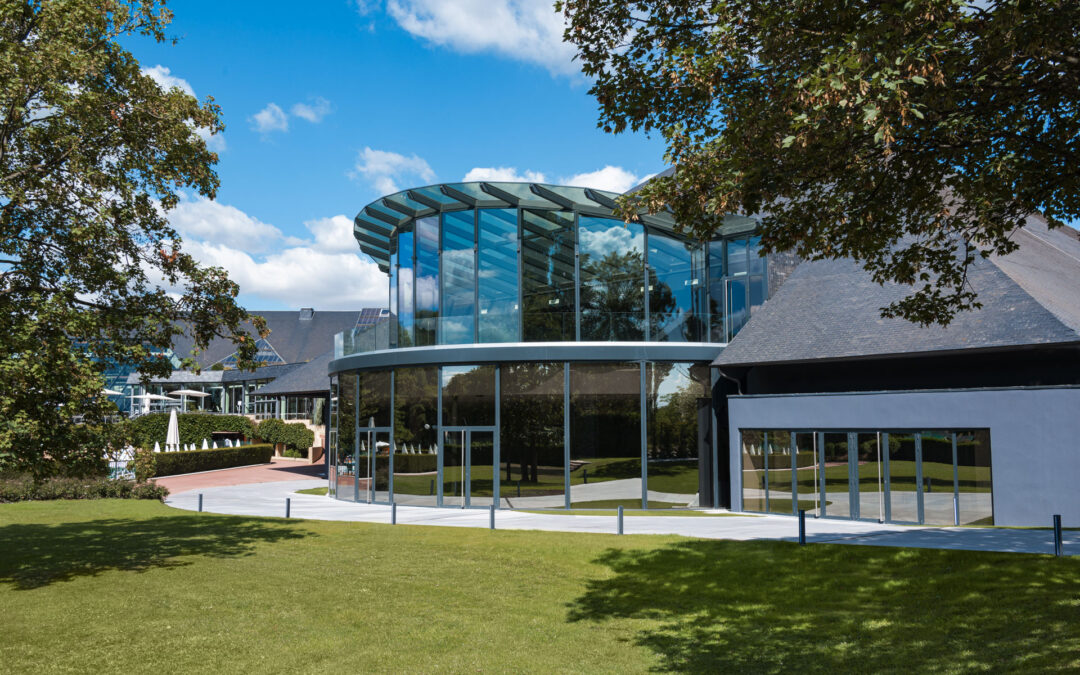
121	586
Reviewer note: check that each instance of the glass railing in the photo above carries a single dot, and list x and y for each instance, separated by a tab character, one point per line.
363	339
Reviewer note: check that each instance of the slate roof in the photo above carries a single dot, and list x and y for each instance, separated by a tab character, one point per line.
307	378
830	309
219	376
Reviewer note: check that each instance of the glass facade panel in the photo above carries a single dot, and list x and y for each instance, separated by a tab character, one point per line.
531	441
937	478
416	435
427	281
611	258
457	315
380	469
976	506
453	481
497	260
674	284
678	404
395	272
332	438
405	289
481	468
871	477
753	471
605	435
347	442
717	303
837	476
903	502
778	445
547	276
807	486
468	395
374	404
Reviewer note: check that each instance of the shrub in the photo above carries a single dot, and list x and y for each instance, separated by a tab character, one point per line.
194	427
144	465
23	488
172	463
295	436
415	463
289	452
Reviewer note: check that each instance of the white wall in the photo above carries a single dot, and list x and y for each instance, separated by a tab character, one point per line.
1034	437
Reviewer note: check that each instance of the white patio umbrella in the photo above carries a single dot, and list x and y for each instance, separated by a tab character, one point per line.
205	446
157	448
184	393
172	436
112	392
213	446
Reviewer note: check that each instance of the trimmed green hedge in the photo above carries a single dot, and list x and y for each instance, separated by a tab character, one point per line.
295	436
415	463
194	427
173	463
22	488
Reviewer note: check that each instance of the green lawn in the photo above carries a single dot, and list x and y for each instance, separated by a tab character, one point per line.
313	491
130	586
595	511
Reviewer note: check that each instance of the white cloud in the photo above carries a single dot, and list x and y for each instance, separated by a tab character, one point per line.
313	113
383	169
333	235
270	118
611	178
504	173
614	239
526	30
166	80
199	218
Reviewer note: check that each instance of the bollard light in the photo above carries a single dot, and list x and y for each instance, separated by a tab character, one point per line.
393	513
200	502
288	506
1059	549
620	520
491	519
802	527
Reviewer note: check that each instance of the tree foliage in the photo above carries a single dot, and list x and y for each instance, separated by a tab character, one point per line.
93	154
913	136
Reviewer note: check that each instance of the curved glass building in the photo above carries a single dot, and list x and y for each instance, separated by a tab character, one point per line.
541	352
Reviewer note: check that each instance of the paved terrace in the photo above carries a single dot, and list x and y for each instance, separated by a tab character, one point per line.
268	499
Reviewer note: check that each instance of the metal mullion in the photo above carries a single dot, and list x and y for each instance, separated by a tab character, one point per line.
820	459
466	461
442	290
956	483
577	285
439	438
854	507
476	276
356	435
918	478
644	439
496	476
566	433
520	274
645	286
765	465
714	378
885	468
794	450
390	486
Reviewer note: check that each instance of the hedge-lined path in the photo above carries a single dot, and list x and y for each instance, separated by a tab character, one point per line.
277	470
268	499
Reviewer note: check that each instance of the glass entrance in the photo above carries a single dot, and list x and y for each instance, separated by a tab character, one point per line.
468	475
836	486
871	484
373	466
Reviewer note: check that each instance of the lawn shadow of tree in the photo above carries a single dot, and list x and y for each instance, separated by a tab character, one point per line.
36	555
777	607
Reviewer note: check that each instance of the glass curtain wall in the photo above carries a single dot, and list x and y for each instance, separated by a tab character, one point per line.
458	310
611	255
753	471
427	281
347	442
468	400
497	263
547	276
678	405
737	283
531	451
974	494
605	435
405	287
332	440
416	435
675	289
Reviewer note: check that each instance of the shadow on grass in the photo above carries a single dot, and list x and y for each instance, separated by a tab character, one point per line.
36	555
777	607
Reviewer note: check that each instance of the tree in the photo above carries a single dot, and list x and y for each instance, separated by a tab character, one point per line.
914	137
92	156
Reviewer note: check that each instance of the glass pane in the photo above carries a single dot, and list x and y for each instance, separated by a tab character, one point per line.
806	473
903	505
347	441
753	471
605	435
547	275
332	440
678	407
737	263
498	276
374	398
937	478
871	478
756	260
778	442
717	289
757	293
381	467
837	497
453	485
468	395
531	448
415	435
737	311
405	290
973	469
457	316
611	256
394	273
481	468
673	282
427	280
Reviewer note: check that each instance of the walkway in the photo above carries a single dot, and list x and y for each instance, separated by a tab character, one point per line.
268	499
277	470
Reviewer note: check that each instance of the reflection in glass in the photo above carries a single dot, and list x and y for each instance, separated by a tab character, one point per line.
547	275
498	276
531	447
675	268
481	468
374	398
973	473
605	436
427	280
837	473
468	395
806	473
332	438
405	277
415	435
678	404
394	310
778	445
937	478
611	257
457	314
380	466
717	303
346	438
903	501
454	476
753	471
871	478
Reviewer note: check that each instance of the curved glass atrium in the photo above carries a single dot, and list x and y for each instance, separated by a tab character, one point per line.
525	262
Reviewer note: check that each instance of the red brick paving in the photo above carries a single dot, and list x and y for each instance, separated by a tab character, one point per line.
277	470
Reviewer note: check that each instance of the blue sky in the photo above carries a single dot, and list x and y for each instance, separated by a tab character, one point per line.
329	105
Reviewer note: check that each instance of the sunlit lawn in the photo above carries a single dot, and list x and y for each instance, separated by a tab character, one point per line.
108	586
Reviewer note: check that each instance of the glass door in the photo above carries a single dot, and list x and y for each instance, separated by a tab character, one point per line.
453	469
468	478
871	484
836	476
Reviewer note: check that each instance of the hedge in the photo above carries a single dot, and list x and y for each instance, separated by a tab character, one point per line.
415	463
191	461
22	488
194	427
295	436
